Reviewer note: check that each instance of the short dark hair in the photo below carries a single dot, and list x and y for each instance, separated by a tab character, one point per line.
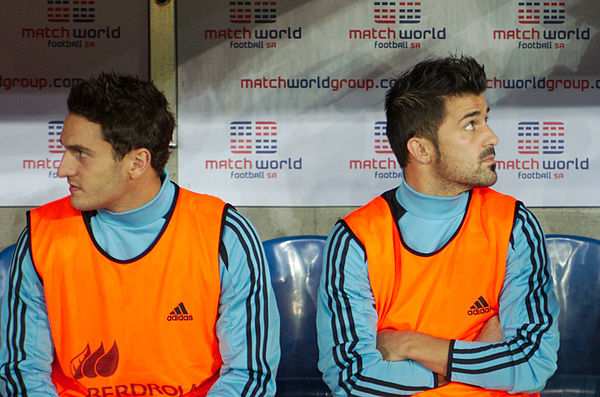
132	112
415	104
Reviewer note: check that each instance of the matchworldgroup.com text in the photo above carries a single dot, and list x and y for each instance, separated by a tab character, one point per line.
326	82
9	83
543	83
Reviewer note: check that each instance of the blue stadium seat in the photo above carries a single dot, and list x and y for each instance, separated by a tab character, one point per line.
575	266
295	265
5	257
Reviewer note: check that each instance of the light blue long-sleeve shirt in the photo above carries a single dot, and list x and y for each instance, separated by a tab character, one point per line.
249	349
347	318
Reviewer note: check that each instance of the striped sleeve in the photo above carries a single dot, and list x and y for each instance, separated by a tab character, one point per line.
26	353
347	328
248	324
527	356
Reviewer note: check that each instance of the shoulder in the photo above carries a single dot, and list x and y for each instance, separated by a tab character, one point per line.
490	196
526	220
54	209
200	206
343	243
239	232
377	217
378	206
194	198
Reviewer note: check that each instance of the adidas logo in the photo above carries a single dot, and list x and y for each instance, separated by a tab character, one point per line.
180	313
479	307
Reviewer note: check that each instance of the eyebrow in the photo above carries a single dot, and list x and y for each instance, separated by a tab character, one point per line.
78	148
473	114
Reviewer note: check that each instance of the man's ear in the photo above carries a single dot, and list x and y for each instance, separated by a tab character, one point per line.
421	149
140	162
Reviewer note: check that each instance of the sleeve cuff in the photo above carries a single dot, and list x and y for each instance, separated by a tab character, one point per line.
450	355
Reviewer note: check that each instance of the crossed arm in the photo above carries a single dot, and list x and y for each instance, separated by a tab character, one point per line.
429	351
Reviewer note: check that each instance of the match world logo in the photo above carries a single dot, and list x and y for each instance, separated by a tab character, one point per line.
245	12
254	152
397	24
54	130
542	154
541	12
391	12
541	27
69	24
50	162
253	137
380	140
546	137
66	11
381	162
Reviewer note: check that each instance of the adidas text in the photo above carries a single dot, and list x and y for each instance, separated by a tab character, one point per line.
179	317
483	310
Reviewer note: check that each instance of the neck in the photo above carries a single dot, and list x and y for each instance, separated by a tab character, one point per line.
423	182
141	192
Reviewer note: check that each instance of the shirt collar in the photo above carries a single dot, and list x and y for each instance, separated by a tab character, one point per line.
149	212
430	207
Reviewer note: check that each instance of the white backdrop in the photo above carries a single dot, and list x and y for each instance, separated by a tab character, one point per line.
281	102
46	47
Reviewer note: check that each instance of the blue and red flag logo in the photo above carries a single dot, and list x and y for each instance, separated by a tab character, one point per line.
380	139
54	130
246	12
546	137
542	12
66	11
253	137
390	12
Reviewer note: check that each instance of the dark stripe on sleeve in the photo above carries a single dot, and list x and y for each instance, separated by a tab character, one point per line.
257	347
16	326
222	248
223	254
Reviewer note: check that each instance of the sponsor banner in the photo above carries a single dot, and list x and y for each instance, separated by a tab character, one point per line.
549	156
50	45
261	162
319	71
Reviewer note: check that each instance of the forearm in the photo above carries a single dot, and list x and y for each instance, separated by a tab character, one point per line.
429	351
510	365
363	372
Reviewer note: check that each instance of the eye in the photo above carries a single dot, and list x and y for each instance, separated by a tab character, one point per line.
80	155
470	126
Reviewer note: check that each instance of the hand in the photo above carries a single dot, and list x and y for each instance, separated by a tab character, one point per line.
390	344
442	381
491	331
430	351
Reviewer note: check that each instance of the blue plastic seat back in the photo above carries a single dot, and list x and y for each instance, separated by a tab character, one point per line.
575	266
295	264
5	258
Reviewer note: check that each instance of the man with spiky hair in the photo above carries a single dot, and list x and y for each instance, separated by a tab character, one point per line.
132	285
441	286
